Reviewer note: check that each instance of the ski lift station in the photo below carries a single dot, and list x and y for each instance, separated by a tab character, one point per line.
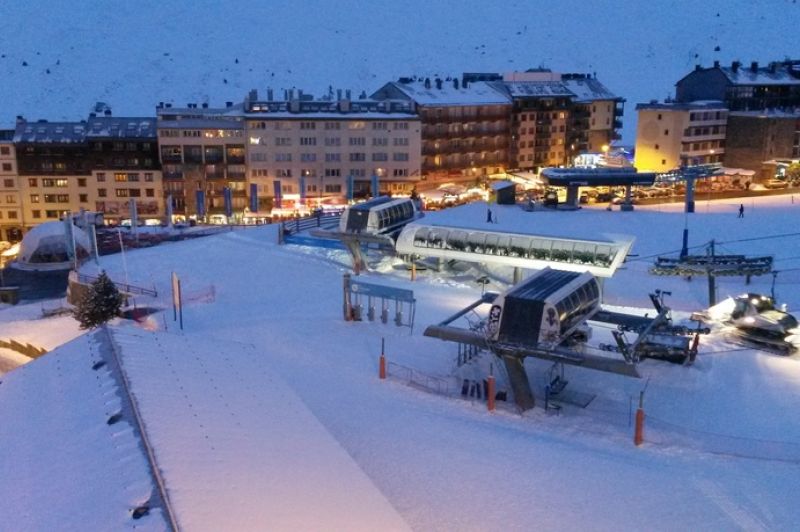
574	178
600	257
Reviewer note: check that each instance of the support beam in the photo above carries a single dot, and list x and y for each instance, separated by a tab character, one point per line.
520	385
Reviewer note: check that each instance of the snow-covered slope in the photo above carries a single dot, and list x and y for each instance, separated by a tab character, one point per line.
722	440
62	465
56	60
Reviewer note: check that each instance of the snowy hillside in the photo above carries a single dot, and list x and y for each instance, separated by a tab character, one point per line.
266	386
57	60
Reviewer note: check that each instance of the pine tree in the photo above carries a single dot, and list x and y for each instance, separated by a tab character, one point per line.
100	303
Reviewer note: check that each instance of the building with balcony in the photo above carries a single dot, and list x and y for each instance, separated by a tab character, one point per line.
299	146
11	222
98	164
124	165
558	116
596	115
202	149
756	138
54	169
744	88
466	125
674	134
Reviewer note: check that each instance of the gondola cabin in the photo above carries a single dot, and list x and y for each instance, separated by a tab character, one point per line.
380	215
544	308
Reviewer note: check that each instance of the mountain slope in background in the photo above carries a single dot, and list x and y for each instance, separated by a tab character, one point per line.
56	61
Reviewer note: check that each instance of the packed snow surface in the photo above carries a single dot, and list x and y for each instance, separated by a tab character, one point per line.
268	402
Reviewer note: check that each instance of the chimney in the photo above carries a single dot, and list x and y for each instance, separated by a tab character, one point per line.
269	95
285	95
438	84
253	95
735	66
427	83
338	94
347	94
455	83
107	112
754	66
205	105
698	67
168	105
20	119
464	82
716	64
228	104
299	94
773	67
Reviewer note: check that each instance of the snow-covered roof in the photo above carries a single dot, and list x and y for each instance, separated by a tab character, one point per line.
478	93
684	106
537	89
588	90
64	466
121	127
780	74
769	113
286	115
200	123
48	243
50	132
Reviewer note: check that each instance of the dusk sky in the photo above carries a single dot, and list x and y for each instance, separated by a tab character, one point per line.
133	55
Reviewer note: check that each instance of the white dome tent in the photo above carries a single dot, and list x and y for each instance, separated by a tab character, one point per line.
48	247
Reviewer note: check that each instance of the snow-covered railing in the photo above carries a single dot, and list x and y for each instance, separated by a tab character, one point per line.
290	227
122	287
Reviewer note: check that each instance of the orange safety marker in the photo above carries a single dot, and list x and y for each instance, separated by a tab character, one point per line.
638	435
382	362
413	271
490	393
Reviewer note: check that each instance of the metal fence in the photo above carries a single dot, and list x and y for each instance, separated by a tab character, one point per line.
291	227
418	379
122	287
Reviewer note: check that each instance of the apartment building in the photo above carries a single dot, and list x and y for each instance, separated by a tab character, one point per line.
54	169
300	148
202	153
744	88
757	137
674	134
596	115
123	165
11	221
558	116
95	165
466	125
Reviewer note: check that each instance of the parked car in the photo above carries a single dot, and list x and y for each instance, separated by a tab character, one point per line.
775	183
608	197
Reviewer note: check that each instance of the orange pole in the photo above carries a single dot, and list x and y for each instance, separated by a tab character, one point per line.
413	271
382	361
490	394
638	435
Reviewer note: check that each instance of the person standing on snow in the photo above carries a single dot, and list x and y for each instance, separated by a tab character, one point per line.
741	210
